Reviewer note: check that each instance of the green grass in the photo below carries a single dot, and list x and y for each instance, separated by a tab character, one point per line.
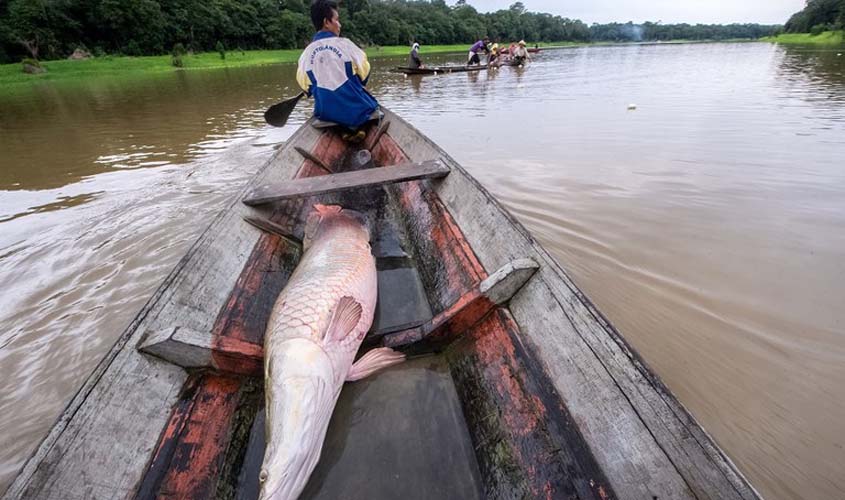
12	74
824	38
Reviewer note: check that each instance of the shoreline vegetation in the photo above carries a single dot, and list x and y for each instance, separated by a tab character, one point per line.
11	75
823	38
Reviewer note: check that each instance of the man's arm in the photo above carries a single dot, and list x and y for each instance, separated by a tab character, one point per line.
360	63
302	77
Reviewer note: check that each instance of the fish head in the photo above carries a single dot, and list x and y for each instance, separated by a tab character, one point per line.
301	389
327	218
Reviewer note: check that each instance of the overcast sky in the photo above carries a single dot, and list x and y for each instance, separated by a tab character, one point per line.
668	11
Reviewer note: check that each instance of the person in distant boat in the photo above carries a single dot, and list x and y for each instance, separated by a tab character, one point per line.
520	55
334	71
414	60
477	47
493	53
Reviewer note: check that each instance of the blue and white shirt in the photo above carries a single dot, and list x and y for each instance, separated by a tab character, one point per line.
334	71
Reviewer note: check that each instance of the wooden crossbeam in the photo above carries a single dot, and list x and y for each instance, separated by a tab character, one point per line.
193	350
311	186
382	129
308	156
466	312
273	228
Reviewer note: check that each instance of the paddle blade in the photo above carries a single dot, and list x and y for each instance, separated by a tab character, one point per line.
277	115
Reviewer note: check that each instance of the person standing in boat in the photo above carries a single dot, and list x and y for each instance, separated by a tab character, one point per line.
520	54
477	47
414	60
335	71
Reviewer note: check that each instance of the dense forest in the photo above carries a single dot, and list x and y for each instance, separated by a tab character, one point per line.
649	31
818	16
50	29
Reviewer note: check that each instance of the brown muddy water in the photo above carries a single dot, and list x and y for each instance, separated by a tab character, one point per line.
708	223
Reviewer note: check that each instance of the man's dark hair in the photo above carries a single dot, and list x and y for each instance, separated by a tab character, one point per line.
320	11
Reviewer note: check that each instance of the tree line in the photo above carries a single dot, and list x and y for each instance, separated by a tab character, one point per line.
818	16
51	29
653	32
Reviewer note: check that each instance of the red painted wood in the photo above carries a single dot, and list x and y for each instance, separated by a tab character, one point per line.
539	435
189	455
446	326
448	264
232	355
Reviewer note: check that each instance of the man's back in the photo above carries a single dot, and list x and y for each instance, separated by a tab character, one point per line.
334	71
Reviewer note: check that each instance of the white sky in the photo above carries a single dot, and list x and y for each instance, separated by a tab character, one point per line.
668	11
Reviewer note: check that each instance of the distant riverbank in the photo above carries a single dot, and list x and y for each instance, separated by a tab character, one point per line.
824	38
12	75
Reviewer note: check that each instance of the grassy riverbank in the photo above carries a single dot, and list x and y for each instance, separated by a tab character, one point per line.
12	74
824	38
13	78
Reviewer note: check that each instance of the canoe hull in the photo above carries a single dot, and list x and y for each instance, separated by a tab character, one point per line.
539	396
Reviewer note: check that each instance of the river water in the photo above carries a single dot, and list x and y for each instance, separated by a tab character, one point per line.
708	223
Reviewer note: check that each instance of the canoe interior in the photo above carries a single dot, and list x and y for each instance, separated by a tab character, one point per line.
431	426
539	398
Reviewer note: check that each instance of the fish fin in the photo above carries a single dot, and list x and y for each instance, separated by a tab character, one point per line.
374	361
347	313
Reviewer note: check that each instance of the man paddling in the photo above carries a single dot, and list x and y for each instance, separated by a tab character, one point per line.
334	71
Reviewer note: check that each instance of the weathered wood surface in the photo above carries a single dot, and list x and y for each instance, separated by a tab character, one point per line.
323	184
644	440
310	157
102	442
528	445
641	437
193	350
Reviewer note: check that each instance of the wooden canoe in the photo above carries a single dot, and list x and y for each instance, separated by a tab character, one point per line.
518	386
436	70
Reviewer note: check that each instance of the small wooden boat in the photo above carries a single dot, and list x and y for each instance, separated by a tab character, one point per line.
518	386
436	70
535	50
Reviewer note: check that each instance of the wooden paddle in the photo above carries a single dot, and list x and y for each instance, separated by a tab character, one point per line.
277	115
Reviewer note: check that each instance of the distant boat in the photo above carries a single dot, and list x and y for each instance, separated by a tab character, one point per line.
432	70
535	50
521	389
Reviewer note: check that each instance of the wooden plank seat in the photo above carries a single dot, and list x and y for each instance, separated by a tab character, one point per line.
323	184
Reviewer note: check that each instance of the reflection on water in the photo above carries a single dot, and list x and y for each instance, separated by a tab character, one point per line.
708	224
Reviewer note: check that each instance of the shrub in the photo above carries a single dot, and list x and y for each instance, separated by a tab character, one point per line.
32	66
220	49
817	29
31	62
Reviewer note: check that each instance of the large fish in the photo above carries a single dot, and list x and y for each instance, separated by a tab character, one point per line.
315	329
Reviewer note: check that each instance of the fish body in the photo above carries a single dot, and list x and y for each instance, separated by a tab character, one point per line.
314	331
